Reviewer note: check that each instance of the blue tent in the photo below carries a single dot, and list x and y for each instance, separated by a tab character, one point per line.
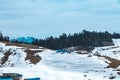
6	78
59	51
32	79
10	76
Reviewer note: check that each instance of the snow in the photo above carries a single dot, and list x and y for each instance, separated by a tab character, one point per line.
57	66
45	73
111	51
71	62
16	58
36	49
116	42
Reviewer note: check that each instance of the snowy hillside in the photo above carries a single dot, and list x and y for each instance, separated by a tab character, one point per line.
17	54
34	61
110	51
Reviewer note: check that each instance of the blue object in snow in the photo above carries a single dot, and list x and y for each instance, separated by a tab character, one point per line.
6	78
33	79
63	51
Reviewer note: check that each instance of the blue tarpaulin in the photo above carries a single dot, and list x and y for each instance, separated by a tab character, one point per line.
33	79
6	78
63	51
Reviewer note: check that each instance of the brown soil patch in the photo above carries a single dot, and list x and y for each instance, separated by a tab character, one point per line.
28	46
22	45
114	62
82	52
5	58
32	56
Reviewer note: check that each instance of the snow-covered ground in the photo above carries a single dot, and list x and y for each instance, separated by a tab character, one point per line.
111	51
57	66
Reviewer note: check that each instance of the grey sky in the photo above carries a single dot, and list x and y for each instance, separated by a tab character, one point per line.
42	18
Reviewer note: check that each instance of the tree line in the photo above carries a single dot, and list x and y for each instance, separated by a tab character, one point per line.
82	40
3	38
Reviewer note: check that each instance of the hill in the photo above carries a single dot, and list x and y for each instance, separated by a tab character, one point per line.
34	61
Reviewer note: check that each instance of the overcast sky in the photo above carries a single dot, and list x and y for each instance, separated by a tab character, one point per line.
42	18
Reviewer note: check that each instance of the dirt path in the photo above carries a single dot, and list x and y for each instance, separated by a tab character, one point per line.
114	63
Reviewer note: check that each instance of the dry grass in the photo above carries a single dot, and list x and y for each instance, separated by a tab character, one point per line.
29	46
114	63
5	58
32	56
22	45
82	52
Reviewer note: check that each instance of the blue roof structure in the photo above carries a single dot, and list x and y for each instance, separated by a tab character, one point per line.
33	79
59	51
10	76
6	78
